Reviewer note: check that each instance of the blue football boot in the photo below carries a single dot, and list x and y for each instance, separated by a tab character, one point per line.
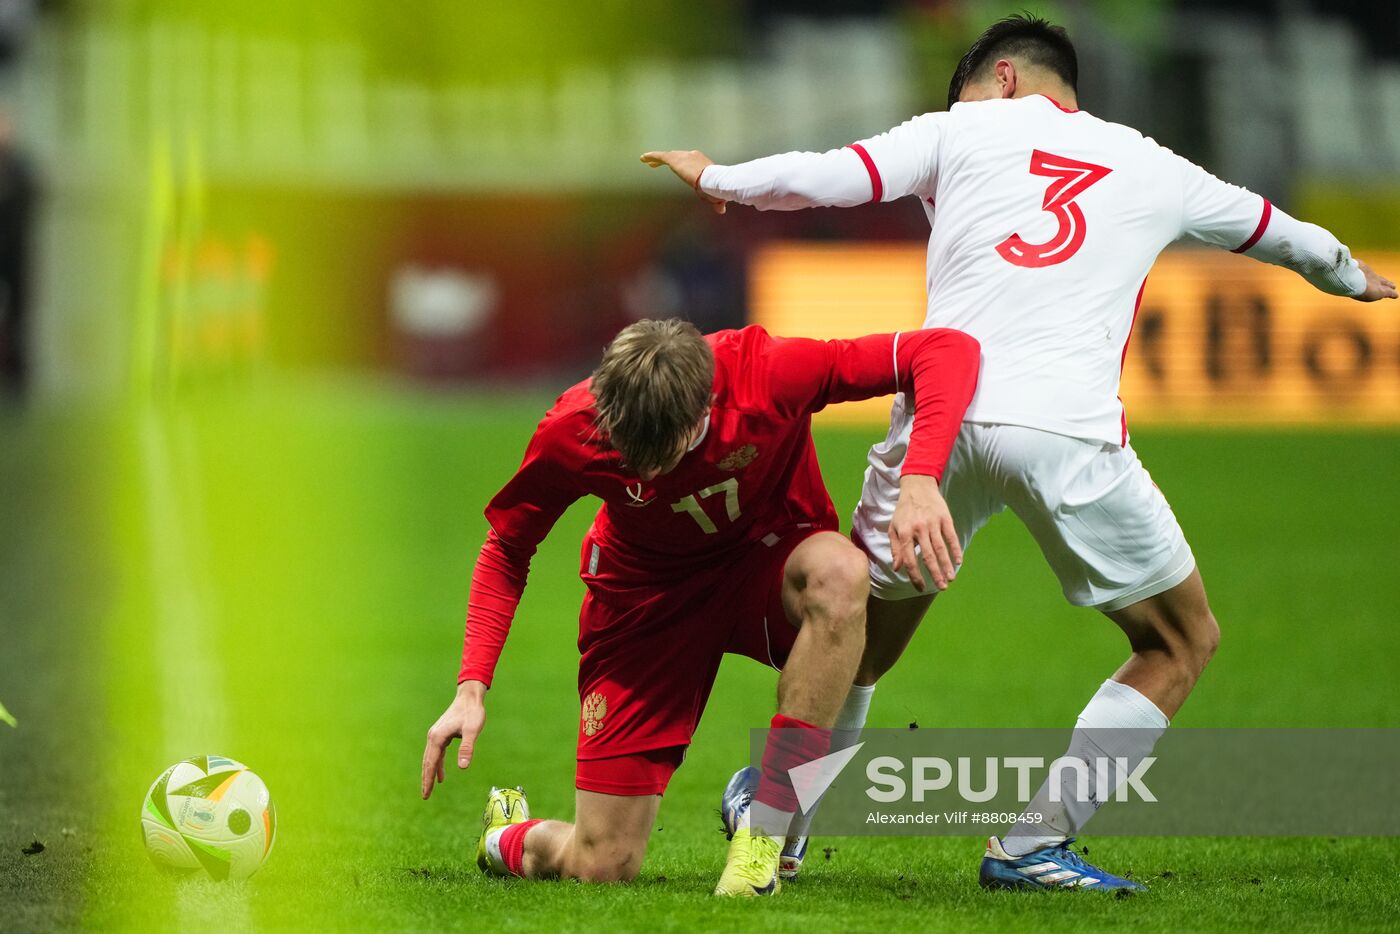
1051	867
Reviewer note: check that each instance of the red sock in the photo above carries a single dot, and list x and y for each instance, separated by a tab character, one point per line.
513	846
791	742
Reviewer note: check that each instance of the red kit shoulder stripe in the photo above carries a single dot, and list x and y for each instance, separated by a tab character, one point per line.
1258	231
877	187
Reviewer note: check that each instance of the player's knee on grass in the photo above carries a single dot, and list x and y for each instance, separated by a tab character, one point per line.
612	859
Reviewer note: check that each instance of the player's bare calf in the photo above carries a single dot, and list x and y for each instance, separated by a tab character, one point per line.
1173	636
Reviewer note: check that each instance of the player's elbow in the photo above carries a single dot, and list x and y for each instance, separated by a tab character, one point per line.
960	343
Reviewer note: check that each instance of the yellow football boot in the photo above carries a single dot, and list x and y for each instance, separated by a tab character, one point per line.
504	806
752	869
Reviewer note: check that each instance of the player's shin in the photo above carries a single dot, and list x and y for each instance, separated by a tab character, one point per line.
845	732
791	743
890	624
1113	735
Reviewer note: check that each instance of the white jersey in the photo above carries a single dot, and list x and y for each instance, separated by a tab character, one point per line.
1045	223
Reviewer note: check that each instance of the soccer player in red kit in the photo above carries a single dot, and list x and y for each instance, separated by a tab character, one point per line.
716	535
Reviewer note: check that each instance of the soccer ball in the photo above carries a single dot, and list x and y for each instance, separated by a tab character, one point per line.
209	814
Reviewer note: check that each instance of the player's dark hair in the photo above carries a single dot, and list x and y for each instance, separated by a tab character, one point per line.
651	390
1026	38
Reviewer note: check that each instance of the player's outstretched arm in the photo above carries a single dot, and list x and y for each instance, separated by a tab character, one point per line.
900	162
787	182
1241	221
464	718
1318	256
520	516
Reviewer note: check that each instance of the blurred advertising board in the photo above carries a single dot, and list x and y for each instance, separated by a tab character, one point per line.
1219	339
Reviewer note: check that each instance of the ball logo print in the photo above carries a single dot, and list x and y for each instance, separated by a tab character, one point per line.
595	708
209	814
1071	179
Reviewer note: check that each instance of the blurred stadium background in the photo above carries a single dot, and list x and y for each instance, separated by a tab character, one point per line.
290	283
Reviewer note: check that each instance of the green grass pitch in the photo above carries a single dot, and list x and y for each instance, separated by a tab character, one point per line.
283	581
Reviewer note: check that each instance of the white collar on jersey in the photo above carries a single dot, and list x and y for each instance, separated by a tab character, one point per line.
700	437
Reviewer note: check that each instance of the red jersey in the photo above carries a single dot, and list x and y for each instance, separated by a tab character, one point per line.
752	473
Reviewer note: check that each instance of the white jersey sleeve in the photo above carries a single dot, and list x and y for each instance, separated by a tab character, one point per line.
1217	212
1237	219
1310	251
791	181
902	161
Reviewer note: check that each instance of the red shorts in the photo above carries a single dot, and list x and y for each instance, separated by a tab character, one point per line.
650	652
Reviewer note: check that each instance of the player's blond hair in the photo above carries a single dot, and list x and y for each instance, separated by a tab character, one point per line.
652	388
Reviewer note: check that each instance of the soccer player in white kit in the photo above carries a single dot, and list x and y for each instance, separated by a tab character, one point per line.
1045	223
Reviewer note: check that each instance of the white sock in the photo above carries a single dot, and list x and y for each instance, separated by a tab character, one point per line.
850	720
767	820
493	852
1117	723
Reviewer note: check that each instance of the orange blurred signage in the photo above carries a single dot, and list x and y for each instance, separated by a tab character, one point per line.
1219	340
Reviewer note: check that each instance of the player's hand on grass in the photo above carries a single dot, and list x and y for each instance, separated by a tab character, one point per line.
921	518
687	164
464	717
1377	285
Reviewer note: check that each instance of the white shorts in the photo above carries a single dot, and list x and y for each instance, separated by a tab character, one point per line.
1102	524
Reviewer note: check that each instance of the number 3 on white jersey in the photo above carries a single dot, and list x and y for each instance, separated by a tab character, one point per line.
691	504
1071	179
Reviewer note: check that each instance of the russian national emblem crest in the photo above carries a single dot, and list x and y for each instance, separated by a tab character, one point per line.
595	708
737	460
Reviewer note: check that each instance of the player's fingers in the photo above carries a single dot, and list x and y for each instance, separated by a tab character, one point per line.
896	554
465	750
654	159
935	558
909	560
950	535
916	574
431	757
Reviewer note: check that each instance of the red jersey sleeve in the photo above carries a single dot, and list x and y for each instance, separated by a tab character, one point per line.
936	369
521	515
